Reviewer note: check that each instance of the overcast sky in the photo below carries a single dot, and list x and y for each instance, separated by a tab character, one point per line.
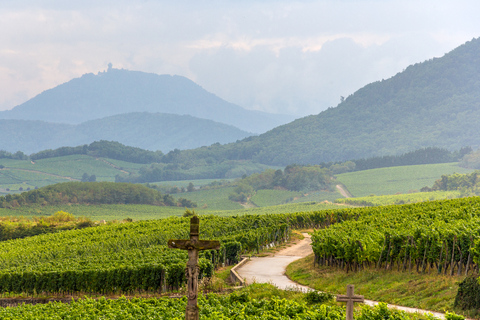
292	57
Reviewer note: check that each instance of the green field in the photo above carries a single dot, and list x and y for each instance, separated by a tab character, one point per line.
396	179
212	199
386	200
29	174
184	183
265	198
146	212
98	212
283	208
319	196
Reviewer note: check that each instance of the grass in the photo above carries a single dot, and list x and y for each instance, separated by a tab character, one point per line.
61	168
425	291
392	180
14	179
110	212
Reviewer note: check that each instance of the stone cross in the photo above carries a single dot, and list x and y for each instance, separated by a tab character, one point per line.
193	245
350	298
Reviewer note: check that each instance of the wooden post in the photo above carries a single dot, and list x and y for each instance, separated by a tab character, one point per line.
350	298
193	245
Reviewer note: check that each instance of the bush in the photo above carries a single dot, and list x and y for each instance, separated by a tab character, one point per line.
468	295
453	316
232	251
318	297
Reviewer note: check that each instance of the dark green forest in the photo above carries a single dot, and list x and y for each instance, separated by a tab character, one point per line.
468	183
421	156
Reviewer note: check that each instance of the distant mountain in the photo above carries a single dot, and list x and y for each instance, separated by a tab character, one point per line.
120	91
151	131
431	104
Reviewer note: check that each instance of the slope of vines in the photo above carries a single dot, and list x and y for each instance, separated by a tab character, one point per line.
439	236
133	256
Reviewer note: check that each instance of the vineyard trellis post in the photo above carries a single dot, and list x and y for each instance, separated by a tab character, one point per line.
350	298
193	245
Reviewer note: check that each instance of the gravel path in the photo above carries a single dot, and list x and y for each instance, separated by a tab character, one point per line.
272	270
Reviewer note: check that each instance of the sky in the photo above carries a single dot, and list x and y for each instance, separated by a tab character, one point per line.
289	57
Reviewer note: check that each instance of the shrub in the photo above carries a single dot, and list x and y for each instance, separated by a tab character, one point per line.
468	295
318	297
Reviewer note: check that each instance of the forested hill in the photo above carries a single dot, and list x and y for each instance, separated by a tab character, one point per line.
431	104
152	131
121	91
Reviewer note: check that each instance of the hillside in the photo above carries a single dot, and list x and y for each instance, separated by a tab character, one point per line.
431	104
121	91
91	193
152	131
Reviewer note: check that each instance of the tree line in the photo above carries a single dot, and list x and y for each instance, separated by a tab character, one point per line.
429	155
293	177
227	161
106	149
468	183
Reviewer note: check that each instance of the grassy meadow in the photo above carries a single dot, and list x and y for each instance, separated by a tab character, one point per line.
110	212
394	180
425	291
29	174
212	199
390	199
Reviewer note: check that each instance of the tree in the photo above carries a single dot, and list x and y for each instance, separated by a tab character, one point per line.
85	177
92	178
190	187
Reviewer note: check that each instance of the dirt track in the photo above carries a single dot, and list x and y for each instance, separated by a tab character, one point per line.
272	270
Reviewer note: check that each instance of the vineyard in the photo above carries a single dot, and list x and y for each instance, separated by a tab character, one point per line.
131	257
440	236
212	306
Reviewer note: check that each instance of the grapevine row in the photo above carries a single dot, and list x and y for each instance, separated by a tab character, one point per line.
134	256
440	236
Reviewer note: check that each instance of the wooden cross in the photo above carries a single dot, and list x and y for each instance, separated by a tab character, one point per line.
193	245
350	298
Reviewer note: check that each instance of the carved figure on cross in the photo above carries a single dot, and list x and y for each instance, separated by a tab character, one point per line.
350	298
193	245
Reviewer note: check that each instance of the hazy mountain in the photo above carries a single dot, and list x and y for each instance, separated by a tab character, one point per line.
154	132
120	91
431	104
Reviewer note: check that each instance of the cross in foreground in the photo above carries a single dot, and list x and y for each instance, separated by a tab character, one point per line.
350	298
193	245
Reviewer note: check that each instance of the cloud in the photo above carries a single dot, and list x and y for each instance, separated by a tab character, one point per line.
294	57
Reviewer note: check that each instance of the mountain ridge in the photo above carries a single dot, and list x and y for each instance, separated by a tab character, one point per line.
435	103
119	91
151	131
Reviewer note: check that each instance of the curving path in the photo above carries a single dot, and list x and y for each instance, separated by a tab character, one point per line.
272	270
